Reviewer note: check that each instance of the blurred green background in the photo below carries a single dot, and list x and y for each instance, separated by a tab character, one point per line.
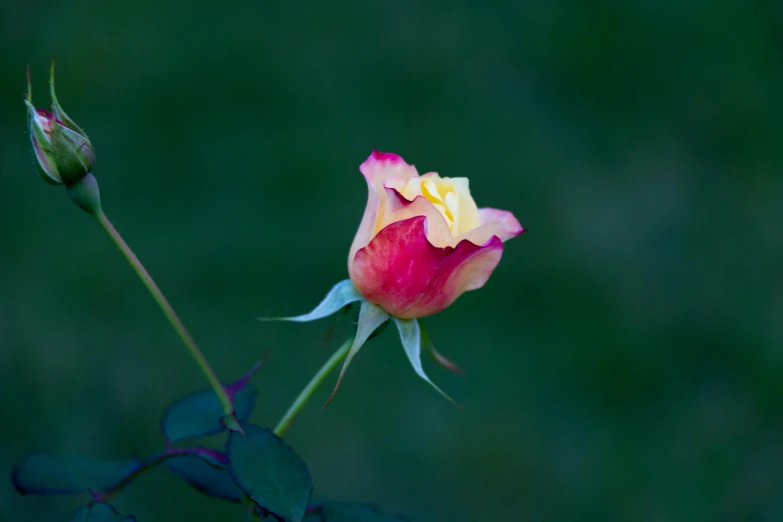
624	362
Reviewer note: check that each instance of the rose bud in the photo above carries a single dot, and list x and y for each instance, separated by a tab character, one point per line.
62	149
422	241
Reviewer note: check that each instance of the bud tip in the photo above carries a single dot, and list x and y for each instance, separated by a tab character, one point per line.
51	82
29	86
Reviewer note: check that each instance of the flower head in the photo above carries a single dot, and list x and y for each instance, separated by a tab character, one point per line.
62	149
422	241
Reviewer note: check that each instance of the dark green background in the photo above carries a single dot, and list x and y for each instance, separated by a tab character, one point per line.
624	362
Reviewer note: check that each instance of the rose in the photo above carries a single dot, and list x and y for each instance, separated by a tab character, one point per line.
421	244
422	241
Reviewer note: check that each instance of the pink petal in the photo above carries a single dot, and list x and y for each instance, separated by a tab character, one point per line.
383	165
379	167
368	223
489	215
409	277
399	208
494	222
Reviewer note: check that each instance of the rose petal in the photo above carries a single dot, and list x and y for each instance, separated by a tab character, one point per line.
379	167
468	213
368	224
399	208
383	165
401	271
466	217
489	215
499	223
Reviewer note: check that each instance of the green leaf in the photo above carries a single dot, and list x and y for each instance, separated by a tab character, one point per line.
99	512
340	295
355	512
371	317
204	477
47	475
269	472
410	335
200	414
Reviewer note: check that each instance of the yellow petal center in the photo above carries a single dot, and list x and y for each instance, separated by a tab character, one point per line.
446	194
444	197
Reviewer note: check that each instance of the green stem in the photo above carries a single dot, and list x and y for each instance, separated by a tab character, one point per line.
168	311
152	462
308	390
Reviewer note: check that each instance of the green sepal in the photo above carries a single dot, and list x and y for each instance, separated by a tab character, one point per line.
341	294
29	97
74	153
371	317
436	356
410	336
44	156
59	112
342	314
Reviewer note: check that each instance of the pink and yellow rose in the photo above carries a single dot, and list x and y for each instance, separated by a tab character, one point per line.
422	241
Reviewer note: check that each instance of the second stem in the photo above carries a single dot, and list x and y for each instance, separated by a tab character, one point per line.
304	396
168	311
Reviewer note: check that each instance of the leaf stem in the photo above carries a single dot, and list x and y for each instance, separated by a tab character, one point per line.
153	461
308	390
168	311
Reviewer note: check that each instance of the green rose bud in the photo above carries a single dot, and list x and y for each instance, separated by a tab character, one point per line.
62	149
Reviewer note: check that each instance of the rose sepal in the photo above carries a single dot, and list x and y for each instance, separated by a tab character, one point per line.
372	319
411	338
340	295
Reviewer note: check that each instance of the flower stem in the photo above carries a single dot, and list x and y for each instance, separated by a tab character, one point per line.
168	311
308	390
